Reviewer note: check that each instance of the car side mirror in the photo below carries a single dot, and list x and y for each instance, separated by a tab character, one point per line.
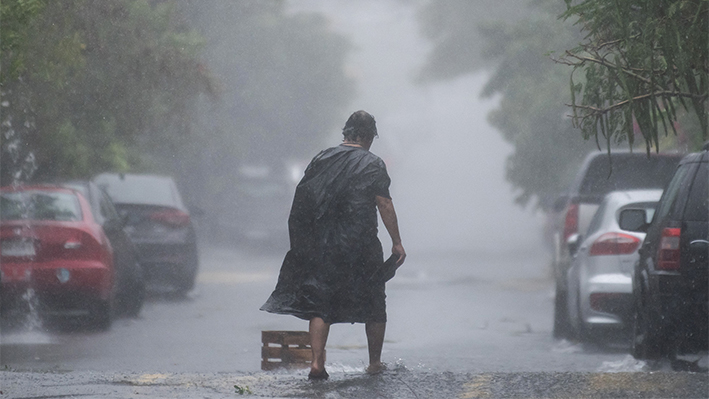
560	203
115	224
573	243
633	220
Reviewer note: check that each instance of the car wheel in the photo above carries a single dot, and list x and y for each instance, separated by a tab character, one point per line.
584	333
130	294
100	316
133	299
185	282
562	324
648	342
186	278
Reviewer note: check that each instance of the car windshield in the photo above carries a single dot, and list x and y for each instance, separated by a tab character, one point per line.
151	190
627	173
40	205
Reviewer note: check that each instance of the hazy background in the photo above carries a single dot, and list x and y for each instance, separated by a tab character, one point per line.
445	160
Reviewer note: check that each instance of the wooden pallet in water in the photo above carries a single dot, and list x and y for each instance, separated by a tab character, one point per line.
288	349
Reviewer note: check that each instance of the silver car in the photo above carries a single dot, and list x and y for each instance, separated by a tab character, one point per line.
599	279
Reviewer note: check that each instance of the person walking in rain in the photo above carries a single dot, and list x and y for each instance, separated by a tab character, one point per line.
327	276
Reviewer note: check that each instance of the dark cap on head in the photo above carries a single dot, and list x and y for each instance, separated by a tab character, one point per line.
360	125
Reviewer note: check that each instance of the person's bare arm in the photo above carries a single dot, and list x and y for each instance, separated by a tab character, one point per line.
386	210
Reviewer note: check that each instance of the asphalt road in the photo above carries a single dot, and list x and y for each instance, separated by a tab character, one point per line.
461	325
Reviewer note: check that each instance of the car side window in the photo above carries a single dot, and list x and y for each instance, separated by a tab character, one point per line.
698	202
670	195
108	211
597	219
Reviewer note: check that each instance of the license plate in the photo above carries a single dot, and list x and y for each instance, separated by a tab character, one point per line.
18	248
15	274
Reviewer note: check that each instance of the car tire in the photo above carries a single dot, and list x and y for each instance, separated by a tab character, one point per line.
100	316
562	325
131	293
584	333
186	278
133	301
185	282
648	342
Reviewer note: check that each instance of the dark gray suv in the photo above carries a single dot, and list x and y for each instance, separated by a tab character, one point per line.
158	223
670	282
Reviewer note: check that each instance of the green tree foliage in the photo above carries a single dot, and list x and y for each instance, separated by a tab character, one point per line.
14	17
531	88
86	79
281	76
641	60
191	88
283	88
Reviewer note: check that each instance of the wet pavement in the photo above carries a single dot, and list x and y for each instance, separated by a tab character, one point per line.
480	327
397	383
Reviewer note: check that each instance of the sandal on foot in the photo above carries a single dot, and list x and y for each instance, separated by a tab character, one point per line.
321	376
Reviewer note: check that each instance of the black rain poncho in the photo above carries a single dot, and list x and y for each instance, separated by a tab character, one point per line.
334	246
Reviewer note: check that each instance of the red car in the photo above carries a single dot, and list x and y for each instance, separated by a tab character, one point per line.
55	257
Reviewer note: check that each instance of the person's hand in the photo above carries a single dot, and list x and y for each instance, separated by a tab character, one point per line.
398	249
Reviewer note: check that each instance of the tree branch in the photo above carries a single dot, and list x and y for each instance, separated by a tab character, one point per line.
608	65
601	111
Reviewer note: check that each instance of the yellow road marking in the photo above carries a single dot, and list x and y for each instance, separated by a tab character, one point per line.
632	382
479	387
146	379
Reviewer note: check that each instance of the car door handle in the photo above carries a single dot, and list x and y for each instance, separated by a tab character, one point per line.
698	250
699	243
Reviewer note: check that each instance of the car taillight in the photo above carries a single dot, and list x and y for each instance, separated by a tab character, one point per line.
668	254
571	222
614	244
171	217
69	244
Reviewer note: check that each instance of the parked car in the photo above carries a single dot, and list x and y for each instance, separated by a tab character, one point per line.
600	276
158	223
54	249
253	212
670	280
130	282
598	175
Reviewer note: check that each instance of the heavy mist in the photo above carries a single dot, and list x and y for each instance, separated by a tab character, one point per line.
232	99
446	161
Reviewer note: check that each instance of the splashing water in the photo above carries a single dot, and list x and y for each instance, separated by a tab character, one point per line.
23	163
627	364
32	321
565	346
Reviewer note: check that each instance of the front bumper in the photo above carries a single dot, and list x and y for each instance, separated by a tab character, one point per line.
607	300
168	262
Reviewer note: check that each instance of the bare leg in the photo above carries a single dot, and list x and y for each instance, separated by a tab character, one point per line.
319	331
375	341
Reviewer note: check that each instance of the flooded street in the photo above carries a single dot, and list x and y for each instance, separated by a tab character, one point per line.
471	311
447	312
452	316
